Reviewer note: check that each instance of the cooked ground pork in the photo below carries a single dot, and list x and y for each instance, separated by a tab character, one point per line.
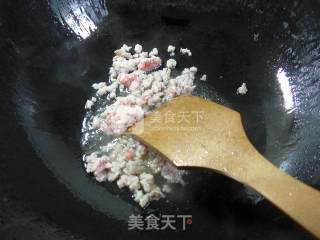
138	85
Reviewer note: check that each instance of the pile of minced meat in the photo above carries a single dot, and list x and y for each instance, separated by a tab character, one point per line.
139	83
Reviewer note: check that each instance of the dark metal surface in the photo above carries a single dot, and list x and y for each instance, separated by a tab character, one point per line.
51	52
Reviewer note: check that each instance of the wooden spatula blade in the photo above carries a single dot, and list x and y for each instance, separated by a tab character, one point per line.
190	130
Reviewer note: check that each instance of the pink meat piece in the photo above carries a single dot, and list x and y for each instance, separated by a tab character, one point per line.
149	64
127	79
103	165
123	117
129	155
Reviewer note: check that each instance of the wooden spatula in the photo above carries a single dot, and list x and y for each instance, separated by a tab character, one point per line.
193	132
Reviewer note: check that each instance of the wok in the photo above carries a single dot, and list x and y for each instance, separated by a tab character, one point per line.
51	53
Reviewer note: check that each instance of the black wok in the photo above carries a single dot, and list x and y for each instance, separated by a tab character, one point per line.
51	53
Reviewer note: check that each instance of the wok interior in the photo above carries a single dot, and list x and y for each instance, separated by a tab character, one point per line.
271	46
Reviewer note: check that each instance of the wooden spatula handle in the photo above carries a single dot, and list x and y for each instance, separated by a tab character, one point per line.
296	199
